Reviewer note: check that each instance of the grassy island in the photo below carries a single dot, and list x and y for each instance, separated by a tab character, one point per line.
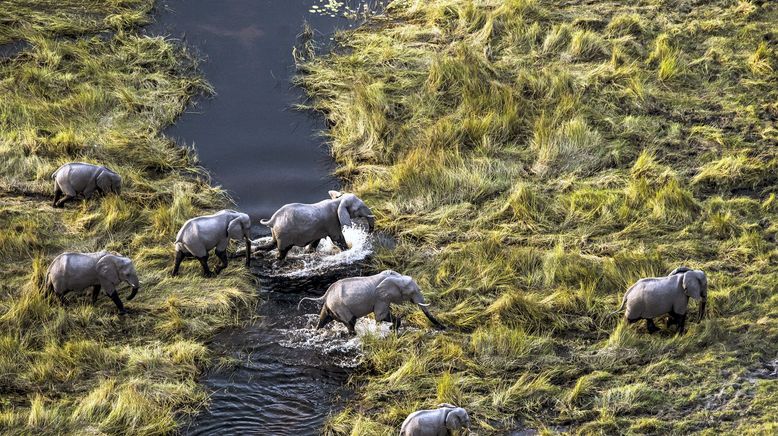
534	159
86	85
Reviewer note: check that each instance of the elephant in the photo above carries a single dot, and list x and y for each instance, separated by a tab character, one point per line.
200	235
442	421
102	270
302	225
652	297
79	178
349	299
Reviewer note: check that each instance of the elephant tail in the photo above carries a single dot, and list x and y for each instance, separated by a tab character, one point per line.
319	300
48	285
623	301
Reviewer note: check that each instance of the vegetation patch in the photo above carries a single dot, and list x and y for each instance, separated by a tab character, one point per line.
88	87
534	159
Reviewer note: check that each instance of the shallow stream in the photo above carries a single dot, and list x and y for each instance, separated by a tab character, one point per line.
282	376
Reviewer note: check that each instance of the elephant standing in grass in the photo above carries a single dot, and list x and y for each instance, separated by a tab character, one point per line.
200	235
349	299
301	225
102	270
652	297
83	179
442	421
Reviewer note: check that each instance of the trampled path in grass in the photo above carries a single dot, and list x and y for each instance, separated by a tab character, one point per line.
534	159
89	88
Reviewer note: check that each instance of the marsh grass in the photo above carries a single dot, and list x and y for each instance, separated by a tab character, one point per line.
88	87
534	160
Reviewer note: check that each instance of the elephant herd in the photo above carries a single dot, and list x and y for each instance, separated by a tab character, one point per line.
305	225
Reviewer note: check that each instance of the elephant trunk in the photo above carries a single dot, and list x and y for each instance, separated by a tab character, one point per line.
430	317
248	251
133	292
370	223
702	308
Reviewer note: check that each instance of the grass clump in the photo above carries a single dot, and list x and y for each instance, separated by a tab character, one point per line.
87	86
534	162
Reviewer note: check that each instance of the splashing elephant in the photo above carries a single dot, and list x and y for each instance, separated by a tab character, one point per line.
102	270
82	179
442	421
651	297
301	225
200	235
349	299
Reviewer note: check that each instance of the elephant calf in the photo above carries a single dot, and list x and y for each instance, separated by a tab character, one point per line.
300	225
442	421
83	179
102	270
349	299
200	235
652	297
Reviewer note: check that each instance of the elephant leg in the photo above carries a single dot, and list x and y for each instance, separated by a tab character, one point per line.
222	255
57	196
63	200
351	326
395	320
672	319
204	263
324	318
681	324
340	242
282	252
311	248
179	258
115	297
95	293
652	328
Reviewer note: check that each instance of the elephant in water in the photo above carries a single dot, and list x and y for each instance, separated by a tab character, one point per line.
300	225
652	297
349	299
102	270
78	178
200	235
442	421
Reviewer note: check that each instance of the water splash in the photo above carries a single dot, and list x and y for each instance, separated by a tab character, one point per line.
327	256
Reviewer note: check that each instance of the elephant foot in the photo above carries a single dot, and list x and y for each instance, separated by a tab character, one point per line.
652	328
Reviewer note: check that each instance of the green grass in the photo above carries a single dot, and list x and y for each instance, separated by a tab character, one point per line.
534	160
72	95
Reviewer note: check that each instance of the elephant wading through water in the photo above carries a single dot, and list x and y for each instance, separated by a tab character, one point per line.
200	235
78	178
102	270
442	421
652	297
300	225
349	299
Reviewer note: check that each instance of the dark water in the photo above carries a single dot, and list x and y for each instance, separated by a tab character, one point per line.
255	145
287	378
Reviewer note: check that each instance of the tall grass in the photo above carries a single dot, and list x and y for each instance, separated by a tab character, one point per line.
534	162
74	95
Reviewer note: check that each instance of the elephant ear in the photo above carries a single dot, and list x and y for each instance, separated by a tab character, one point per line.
343	213
334	194
236	228
453	420
116	183
389	289
104	181
692	284
107	269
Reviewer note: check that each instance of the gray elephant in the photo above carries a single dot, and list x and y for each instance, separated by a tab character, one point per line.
200	235
442	421
101	270
301	225
349	299
652	297
82	179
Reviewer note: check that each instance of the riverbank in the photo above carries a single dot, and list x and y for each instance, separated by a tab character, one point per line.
535	160
89	87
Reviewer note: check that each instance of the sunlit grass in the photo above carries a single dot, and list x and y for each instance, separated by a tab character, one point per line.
534	160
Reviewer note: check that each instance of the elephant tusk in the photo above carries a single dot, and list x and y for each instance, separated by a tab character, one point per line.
423	305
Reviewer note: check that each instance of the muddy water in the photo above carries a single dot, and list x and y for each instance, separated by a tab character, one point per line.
283	377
